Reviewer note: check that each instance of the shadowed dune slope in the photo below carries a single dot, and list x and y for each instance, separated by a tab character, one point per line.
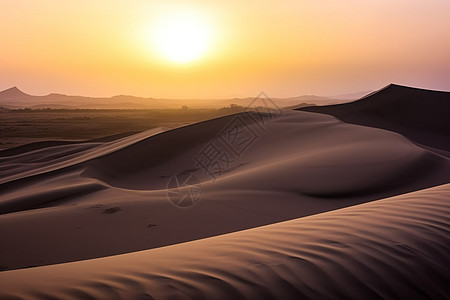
395	248
310	154
420	115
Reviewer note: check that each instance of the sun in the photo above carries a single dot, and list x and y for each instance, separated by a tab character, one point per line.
182	37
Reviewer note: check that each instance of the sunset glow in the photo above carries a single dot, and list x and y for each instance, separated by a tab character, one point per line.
222	48
182	37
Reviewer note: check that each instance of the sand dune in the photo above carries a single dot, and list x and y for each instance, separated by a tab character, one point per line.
211	238
392	248
420	115
47	144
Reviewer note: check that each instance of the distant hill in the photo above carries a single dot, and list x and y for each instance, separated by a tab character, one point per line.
310	100
14	98
298	106
13	93
420	115
351	96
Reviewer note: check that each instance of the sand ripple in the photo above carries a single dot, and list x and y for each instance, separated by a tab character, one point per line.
396	248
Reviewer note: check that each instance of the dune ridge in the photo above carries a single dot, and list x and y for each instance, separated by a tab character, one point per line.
420	115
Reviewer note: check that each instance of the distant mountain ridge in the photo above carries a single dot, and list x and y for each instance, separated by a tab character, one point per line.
14	98
13	93
351	96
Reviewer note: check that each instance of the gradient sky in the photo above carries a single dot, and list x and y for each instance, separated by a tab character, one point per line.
285	48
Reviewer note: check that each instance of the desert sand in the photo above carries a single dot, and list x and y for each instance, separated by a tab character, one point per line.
344	201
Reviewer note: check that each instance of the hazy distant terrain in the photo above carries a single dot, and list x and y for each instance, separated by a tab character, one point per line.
18	127
14	98
26	118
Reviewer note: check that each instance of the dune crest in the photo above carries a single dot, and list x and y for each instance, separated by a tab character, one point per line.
420	115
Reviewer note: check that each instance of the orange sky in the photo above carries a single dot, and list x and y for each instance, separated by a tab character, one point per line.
285	48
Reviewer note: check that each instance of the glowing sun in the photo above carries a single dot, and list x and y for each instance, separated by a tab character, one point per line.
182	37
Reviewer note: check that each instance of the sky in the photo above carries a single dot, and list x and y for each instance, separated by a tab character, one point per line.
284	48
